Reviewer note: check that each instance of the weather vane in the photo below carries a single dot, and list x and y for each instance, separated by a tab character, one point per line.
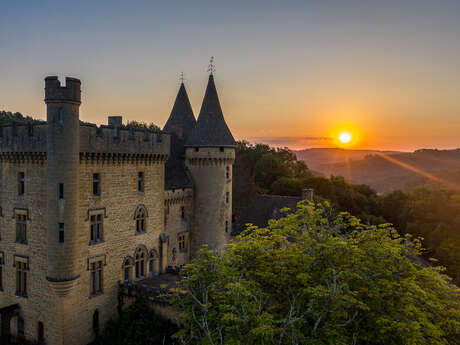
181	77
211	67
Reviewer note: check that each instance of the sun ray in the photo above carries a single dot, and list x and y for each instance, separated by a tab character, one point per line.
419	171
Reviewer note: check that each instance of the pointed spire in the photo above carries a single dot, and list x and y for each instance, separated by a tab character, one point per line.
181	121
211	129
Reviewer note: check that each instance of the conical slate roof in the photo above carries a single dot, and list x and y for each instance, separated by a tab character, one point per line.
181	121
211	129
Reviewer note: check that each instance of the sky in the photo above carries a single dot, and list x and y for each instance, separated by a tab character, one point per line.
289	73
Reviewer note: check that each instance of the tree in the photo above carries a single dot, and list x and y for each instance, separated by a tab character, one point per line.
287	186
315	277
268	169
137	325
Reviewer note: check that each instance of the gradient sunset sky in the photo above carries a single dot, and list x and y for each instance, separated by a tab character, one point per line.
288	72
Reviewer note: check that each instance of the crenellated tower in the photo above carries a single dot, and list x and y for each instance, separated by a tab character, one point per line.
62	181
210	154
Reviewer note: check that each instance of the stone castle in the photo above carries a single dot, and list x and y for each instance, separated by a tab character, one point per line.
83	208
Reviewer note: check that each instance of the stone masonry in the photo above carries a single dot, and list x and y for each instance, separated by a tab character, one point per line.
83	208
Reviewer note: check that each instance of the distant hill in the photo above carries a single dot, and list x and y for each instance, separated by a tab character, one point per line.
390	171
320	158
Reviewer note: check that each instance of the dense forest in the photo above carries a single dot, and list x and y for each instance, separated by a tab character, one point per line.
433	214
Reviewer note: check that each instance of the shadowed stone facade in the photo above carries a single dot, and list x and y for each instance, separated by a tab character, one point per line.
83	208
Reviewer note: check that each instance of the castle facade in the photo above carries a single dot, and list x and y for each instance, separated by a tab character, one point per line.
83	208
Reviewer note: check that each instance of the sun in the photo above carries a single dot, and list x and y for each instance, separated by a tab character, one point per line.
345	137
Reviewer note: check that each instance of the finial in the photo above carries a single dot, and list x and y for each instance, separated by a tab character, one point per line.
211	66
181	77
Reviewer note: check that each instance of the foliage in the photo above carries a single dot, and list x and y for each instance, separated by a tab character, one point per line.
278	172
314	277
431	214
142	125
7	117
137	325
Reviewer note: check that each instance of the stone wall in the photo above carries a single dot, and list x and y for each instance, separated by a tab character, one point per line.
118	202
41	305
177	225
208	167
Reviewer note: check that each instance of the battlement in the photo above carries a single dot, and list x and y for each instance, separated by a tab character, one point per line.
116	139
93	139
54	92
23	138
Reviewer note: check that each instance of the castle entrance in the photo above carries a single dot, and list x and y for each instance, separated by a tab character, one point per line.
6	313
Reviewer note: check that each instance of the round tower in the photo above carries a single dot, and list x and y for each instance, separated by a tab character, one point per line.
62	173
210	154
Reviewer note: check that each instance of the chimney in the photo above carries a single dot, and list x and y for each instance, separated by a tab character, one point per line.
115	121
307	194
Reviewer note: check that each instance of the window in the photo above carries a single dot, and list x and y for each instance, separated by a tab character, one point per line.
227	197
226	226
151	269
182	212
96	228
140	182
221	149
96	321
96	277
96	184
21	278
41	333
227	172
20	327
197	149
21	183
140	263
127	269
61	232
140	220
61	191
21	228
181	240
1	271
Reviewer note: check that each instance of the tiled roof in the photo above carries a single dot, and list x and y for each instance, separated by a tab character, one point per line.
211	129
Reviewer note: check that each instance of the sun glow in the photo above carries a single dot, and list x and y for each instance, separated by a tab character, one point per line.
345	137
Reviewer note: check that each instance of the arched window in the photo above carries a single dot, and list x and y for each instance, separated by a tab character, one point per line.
140	217
96	321
140	260
127	269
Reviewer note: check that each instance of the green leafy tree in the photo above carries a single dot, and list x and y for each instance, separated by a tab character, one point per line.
268	169
315	277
